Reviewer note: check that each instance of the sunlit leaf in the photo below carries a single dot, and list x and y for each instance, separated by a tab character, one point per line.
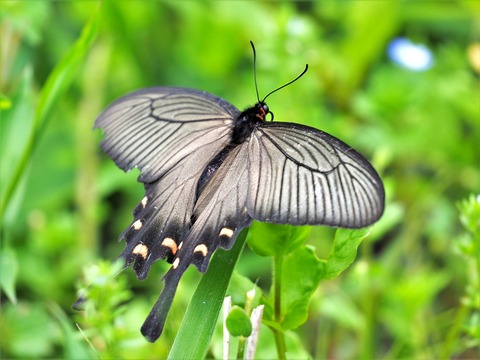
5	102
302	272
270	240
343	251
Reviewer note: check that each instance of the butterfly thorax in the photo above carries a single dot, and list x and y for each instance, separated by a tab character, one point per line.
247	120
243	127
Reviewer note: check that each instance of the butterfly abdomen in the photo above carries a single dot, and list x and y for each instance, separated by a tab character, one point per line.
212	167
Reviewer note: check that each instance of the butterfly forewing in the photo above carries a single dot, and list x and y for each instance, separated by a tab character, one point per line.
153	129
300	175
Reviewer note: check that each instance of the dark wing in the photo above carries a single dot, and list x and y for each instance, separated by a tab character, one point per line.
153	129
220	214
171	135
300	175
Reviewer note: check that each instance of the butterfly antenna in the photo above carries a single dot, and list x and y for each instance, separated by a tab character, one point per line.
255	69
290	82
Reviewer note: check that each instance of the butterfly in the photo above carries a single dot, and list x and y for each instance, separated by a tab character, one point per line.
209	169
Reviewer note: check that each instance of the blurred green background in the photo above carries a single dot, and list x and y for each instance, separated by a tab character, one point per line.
413	291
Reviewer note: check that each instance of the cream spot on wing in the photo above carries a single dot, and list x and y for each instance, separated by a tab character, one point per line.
171	244
141	249
175	263
137	225
226	232
201	248
144	201
180	246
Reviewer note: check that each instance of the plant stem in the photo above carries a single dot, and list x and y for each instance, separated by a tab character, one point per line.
279	336
366	335
241	347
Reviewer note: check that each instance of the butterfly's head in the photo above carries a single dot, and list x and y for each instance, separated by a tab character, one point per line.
262	111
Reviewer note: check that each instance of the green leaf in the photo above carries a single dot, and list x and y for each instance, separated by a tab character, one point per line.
15	124
8	273
344	251
302	271
238	322
272	239
193	337
239	285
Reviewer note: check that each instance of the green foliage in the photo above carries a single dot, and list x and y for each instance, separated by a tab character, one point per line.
238	322
55	86
298	271
268	240
413	290
194	335
469	247
8	273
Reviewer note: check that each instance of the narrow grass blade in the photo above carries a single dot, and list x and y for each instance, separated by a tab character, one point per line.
193	337
57	83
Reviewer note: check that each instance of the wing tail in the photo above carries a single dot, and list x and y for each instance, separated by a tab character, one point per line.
154	323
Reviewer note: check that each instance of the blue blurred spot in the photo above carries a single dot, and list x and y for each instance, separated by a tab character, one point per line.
412	56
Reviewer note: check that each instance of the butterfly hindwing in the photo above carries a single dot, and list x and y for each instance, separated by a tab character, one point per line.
171	135
221	209
163	217
220	213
